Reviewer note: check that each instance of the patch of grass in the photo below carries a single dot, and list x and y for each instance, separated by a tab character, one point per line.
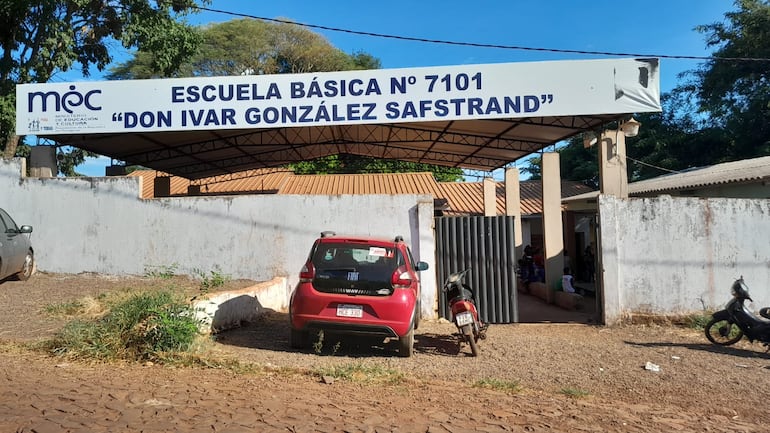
145	326
574	392
214	279
85	307
164	272
363	374
697	320
71	308
498	385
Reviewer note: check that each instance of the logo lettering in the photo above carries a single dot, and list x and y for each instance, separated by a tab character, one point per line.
65	102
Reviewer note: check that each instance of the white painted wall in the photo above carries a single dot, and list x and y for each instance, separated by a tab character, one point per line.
671	255
102	225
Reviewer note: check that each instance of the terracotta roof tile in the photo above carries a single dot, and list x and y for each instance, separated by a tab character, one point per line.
371	183
467	198
463	198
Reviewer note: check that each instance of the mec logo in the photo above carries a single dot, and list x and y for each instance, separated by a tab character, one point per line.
66	101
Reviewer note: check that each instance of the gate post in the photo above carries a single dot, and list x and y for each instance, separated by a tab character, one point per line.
513	207
552	222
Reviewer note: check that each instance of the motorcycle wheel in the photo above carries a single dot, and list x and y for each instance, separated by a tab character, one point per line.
467	332
722	332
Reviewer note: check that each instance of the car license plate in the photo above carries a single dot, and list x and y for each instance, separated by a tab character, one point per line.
463	319
347	310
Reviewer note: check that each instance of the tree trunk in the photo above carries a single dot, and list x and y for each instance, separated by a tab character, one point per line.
10	146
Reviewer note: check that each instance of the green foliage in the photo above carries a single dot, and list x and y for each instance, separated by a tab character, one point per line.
252	47
719	112
363	373
498	385
214	279
697	321
70	308
40	39
347	164
164	272
737	94
318	344
144	327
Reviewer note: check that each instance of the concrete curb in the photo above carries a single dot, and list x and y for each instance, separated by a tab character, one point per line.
226	310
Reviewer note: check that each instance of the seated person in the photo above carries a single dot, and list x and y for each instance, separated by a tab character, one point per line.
568	283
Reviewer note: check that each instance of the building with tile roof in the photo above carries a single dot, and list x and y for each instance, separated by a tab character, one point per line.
452	198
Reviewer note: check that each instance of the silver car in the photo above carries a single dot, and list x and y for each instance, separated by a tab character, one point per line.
17	258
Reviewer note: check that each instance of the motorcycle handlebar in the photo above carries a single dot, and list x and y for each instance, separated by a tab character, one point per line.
454	279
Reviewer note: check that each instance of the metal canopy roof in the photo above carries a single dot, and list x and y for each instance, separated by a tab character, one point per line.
484	144
469	116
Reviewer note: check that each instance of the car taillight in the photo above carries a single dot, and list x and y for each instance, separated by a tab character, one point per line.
401	279
307	273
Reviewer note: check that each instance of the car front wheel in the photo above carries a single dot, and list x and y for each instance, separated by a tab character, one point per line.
28	267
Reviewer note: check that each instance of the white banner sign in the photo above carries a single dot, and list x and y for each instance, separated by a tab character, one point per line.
507	90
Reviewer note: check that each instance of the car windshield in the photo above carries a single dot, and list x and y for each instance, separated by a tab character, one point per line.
358	264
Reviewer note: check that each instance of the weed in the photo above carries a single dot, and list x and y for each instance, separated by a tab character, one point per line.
497	384
165	272
144	327
214	279
84	307
318	345
574	392
70	308
363	373
697	320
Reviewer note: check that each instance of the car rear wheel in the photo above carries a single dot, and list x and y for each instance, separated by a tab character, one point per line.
28	267
406	344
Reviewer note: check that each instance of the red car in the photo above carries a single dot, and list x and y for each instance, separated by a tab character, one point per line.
358	286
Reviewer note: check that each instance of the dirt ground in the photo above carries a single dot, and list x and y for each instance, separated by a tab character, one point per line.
572	378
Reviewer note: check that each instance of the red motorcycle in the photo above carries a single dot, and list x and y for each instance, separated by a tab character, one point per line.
464	313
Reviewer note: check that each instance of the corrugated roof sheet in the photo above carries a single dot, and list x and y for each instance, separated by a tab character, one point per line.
463	198
370	183
747	170
744	171
467	198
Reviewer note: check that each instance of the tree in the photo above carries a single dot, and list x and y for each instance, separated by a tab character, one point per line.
348	164
247	46
251	47
736	94
720	111
42	38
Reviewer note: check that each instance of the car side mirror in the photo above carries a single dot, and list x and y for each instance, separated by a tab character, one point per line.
25	229
421	266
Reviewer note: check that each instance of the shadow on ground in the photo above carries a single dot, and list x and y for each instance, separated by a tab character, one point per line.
535	310
271	332
706	347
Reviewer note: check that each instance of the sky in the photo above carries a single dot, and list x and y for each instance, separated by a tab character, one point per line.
651	28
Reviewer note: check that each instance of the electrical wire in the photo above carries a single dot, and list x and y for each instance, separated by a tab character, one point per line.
483	45
652	166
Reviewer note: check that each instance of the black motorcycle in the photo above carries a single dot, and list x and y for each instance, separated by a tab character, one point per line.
728	326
